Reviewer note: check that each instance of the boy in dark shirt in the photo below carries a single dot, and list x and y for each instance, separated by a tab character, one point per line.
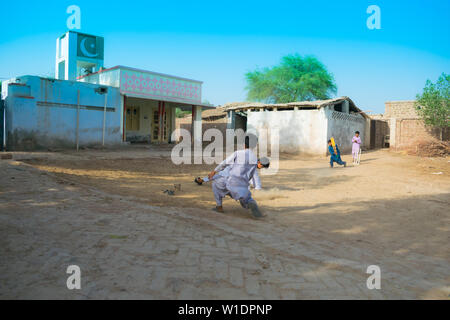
335	155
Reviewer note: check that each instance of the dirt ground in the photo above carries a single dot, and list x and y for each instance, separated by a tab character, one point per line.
305	191
391	211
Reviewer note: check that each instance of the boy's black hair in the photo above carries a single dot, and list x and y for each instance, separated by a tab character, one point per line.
329	141
265	162
357	132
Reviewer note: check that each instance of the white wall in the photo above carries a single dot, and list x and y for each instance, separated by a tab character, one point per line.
307	131
108	78
300	131
42	113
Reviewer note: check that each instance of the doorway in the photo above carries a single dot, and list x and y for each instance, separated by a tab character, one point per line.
160	124
133	118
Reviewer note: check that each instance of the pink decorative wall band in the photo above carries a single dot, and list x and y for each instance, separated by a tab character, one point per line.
156	86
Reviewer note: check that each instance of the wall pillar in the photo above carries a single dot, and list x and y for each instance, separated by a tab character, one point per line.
345	106
392	132
172	122
367	134
197	123
231	121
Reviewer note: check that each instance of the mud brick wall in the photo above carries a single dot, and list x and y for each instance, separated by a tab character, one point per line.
406	127
400	109
379	116
410	132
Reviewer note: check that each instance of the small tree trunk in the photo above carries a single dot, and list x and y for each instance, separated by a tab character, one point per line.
440	133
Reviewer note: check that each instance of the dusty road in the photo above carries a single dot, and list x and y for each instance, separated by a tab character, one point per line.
106	212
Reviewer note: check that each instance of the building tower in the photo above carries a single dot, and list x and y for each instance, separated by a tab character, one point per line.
78	54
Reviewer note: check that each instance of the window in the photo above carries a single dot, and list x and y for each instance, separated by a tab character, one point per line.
62	70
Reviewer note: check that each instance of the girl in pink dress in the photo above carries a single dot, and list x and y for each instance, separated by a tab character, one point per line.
356	145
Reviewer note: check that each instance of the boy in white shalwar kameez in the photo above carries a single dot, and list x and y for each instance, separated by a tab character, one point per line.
232	177
255	182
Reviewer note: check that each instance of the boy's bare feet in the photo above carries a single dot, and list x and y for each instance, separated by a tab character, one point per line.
218	209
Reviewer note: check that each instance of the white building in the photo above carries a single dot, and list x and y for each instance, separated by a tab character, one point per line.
304	127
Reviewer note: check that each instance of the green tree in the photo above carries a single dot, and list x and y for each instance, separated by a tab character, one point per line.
296	78
433	105
181	113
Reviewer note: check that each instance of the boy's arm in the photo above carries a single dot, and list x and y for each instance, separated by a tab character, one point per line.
223	165
331	150
226	162
256	180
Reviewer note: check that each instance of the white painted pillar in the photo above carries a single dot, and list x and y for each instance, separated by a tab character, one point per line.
197	123
172	121
231	119
392	133
197	133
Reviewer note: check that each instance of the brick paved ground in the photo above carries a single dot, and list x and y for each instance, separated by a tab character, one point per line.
128	249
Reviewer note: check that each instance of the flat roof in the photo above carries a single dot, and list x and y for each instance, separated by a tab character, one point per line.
199	104
316	104
82	33
139	70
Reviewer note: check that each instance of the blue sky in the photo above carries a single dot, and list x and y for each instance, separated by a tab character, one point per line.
219	41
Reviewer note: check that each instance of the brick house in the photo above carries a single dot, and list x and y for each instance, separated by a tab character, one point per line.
405	125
